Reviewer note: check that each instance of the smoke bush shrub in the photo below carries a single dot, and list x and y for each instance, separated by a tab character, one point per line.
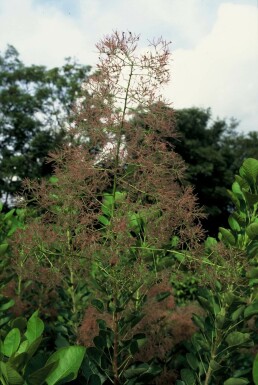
110	211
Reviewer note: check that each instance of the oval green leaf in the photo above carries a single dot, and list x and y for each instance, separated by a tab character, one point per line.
227	236
252	230
3	248
249	170
35	328
236	381
251	310
39	376
69	361
237	338
188	376
11	375
11	342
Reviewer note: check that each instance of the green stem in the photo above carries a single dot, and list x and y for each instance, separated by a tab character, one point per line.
208	375
119	139
215	345
19	288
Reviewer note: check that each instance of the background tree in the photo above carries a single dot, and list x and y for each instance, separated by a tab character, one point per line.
213	151
34	101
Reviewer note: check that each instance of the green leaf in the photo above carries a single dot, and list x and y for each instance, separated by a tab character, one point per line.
39	376
253	282
249	170
215	365
102	219
252	230
236	188
136	371
9	214
69	361
106	211
198	321
94	355
210	243
33	347
188	376
251	199
174	241
220	318
108	199
107	204
12	230
234	198
252	249
100	342
237	313
135	222
242	183
53	179
3	248
11	342
233	223
227	236
11	375
35	327
237	338
197	343
208	304
229	298
61	341
19	323
98	304
4	320
253	273
140	338
30	348
23	346
179	256
163	295
251	310
18	361
120	196
236	381
7	305
240	217
192	361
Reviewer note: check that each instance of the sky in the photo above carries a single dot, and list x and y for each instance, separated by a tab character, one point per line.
214	44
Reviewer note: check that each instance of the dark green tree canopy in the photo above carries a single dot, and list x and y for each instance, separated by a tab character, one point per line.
214	152
34	102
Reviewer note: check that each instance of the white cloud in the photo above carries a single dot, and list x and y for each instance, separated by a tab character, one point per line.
45	34
176	20
42	34
221	71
